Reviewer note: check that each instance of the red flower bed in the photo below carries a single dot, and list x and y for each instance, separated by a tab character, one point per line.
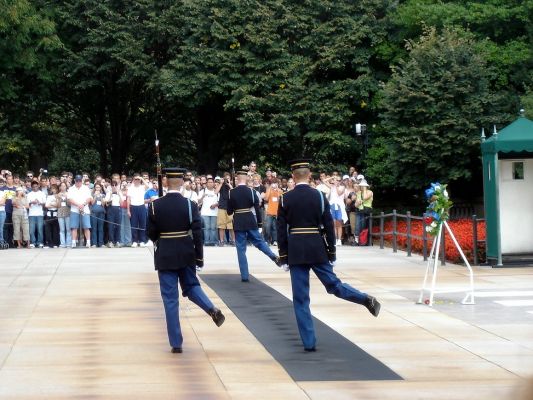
462	230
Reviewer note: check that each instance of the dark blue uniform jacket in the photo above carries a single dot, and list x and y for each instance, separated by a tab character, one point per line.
305	227
170	225
242	200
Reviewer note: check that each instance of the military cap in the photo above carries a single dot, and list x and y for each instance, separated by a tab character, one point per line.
174	172
300	163
242	172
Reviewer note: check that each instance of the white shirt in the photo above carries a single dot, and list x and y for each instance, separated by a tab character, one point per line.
136	195
79	196
209	198
114	198
335	198
36	210
189	194
323	188
51	202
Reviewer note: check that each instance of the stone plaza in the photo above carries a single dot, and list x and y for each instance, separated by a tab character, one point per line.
89	324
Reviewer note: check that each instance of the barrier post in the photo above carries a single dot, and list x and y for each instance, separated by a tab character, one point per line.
474	238
381	225
394	233
408	233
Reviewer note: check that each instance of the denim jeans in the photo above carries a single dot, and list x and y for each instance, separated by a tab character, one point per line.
360	222
138	223
270	230
36	223
65	238
210	229
125	228
2	221
97	227
113	226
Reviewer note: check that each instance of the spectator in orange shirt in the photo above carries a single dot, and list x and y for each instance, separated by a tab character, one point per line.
272	196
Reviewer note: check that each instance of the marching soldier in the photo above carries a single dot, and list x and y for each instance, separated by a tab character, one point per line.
243	202
177	254
304	219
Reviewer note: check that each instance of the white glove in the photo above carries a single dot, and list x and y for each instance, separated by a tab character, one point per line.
333	263
285	267
260	230
199	269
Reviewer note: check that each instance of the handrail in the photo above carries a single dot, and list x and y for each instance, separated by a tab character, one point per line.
410	236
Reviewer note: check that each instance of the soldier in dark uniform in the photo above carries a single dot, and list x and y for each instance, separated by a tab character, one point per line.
306	241
242	200
177	254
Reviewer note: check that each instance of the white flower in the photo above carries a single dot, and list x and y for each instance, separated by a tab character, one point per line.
445	193
428	229
433	224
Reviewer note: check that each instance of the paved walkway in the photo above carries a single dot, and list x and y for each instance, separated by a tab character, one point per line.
89	324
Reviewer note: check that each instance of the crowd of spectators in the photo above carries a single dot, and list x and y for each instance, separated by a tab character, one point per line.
70	210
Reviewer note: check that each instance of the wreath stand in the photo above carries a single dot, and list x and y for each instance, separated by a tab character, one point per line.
469	298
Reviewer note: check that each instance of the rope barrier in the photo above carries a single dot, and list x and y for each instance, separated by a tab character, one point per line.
90	215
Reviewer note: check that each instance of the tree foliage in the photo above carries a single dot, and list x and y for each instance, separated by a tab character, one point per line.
85	83
433	107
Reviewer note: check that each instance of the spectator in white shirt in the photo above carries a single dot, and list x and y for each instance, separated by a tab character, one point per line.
51	224
137	210
37	200
209	212
188	192
113	199
80	197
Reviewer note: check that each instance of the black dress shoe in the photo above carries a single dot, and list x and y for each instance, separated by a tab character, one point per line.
310	350
245	280
176	350
373	305
277	261
218	317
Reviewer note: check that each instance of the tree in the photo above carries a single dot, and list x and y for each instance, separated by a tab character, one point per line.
433	108
26	38
279	78
27	45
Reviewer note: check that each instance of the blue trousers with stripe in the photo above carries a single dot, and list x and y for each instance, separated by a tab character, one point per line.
301	300
190	287
241	238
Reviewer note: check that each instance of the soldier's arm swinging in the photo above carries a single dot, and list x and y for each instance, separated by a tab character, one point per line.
196	228
329	228
257	209
230	207
153	232
281	225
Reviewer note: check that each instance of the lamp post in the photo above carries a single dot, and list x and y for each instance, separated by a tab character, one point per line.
362	134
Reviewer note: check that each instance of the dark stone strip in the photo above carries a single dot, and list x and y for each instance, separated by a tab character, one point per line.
270	317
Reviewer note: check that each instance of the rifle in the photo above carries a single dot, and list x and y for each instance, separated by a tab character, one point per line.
233	172
158	167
